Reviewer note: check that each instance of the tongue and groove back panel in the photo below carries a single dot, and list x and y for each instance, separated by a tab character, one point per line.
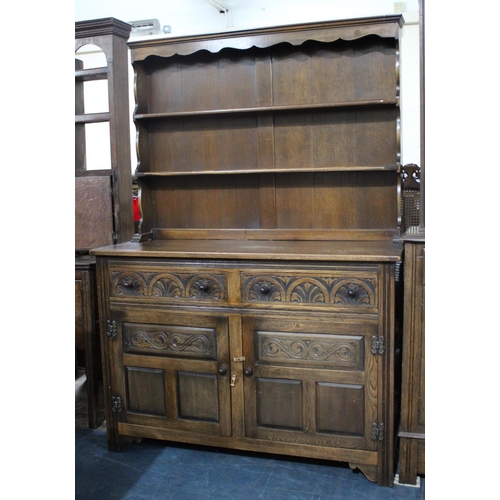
326	200
309	134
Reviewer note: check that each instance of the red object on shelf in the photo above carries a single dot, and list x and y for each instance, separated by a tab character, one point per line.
137	212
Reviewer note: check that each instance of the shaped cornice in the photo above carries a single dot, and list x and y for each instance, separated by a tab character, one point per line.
297	34
101	27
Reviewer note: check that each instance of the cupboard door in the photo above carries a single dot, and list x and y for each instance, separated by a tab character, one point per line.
171	371
310	382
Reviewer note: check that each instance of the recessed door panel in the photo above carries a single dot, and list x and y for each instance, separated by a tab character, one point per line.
279	403
146	391
340	409
197	396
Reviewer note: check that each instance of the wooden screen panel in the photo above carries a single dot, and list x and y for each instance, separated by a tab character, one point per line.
375	72
241	81
93	212
376	200
342	71
336	200
341	138
203	81
340	409
197	396
204	143
209	202
146	391
323	200
279	403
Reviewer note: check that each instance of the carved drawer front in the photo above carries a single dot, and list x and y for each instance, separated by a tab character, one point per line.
326	289
168	284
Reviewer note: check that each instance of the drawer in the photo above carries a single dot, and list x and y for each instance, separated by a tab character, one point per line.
168	283
332	289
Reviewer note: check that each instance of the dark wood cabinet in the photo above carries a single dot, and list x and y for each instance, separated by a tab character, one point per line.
412	427
87	332
255	308
103	198
278	357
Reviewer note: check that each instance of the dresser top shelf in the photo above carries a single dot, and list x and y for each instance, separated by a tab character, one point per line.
295	34
348	251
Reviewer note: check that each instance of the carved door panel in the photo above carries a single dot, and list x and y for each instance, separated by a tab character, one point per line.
310	382
172	370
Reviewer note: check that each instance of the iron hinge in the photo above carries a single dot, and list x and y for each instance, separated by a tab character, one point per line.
111	329
116	404
377	432
378	345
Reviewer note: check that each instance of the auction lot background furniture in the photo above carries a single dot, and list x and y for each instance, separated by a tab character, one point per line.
103	198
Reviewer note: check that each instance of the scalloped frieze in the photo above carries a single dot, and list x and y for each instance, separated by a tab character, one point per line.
382	26
172	285
309	290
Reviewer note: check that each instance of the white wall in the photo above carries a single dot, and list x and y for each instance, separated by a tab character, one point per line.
201	16
198	16
410	89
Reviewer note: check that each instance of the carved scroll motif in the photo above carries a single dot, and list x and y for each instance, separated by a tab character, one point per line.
171	340
327	349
